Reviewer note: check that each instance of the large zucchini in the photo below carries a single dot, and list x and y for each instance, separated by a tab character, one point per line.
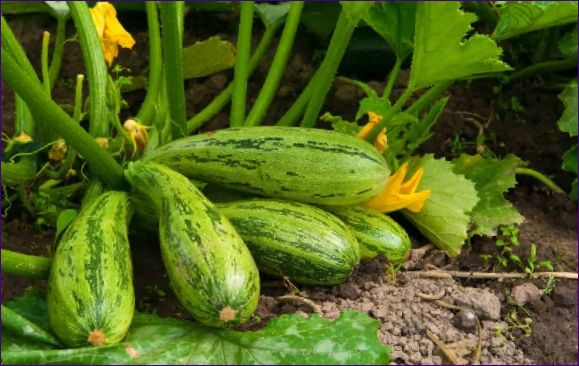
302	242
376	232
298	164
90	288
210	268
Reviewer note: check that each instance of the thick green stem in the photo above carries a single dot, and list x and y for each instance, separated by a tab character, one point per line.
24	122
96	68
543	68
290	118
44	62
277	68
58	50
47	112
15	173
241	65
224	97
23	265
172	45
392	78
94	189
147	111
541	178
429	97
338	44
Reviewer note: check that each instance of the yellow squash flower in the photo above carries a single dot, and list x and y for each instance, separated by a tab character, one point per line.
381	143
398	195
110	31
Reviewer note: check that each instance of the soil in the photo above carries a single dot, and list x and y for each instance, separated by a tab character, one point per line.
550	219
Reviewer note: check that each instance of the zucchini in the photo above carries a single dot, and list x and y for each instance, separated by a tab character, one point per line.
376	232
295	240
292	163
90	287
210	268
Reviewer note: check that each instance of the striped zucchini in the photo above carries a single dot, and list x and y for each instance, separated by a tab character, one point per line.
302	242
298	164
210	268
90	288
376	233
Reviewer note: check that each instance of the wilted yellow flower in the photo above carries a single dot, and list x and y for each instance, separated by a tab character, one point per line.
137	132
381	141
57	151
398	195
110	31
23	138
103	141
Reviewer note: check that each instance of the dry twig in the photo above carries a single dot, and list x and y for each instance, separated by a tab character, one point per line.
491	275
302	300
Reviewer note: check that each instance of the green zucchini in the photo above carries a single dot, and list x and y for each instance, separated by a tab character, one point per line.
297	164
90	287
295	240
376	232
211	270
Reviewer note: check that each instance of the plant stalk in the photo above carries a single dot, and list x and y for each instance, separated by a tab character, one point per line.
392	78
23	265
396	108
96	68
56	61
242	65
172	52
47	112
541	178
277	67
543	68
147	111
224	97
340	38
429	97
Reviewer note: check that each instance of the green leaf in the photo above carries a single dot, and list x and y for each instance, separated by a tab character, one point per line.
570	165
440	51
568	121
444	218
518	17
492	178
394	21
568	44
341	125
270	13
207	57
289	339
376	104
64	218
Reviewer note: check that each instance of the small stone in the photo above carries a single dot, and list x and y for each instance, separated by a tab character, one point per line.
482	301
525	293
465	320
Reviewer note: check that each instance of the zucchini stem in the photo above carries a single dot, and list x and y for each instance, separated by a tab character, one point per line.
23	265
541	178
147	111
96	68
277	68
224	97
242	65
174	85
